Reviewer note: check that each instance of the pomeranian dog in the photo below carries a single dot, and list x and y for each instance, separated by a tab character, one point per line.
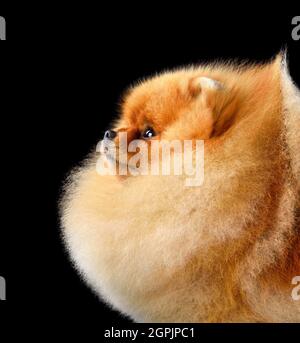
227	250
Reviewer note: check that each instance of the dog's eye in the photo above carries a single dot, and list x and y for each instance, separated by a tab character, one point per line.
148	133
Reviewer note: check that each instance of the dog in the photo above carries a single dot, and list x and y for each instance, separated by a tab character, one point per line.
224	251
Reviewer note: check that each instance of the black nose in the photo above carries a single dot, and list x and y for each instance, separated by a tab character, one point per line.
110	134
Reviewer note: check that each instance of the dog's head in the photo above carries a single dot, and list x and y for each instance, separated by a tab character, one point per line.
182	105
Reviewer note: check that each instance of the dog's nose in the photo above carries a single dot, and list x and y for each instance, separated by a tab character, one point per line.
110	134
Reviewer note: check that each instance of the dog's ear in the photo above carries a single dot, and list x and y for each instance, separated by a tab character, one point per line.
206	83
210	95
206	90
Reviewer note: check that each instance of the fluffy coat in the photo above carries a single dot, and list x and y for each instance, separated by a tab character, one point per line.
226	251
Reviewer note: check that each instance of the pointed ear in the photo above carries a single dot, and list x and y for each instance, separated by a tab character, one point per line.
216	104
206	89
208	83
208	94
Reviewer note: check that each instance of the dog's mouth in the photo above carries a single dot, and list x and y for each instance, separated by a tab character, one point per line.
110	157
109	152
113	155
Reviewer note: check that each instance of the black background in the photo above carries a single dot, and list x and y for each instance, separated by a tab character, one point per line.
62	74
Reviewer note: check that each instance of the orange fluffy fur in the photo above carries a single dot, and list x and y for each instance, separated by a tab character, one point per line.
226	251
